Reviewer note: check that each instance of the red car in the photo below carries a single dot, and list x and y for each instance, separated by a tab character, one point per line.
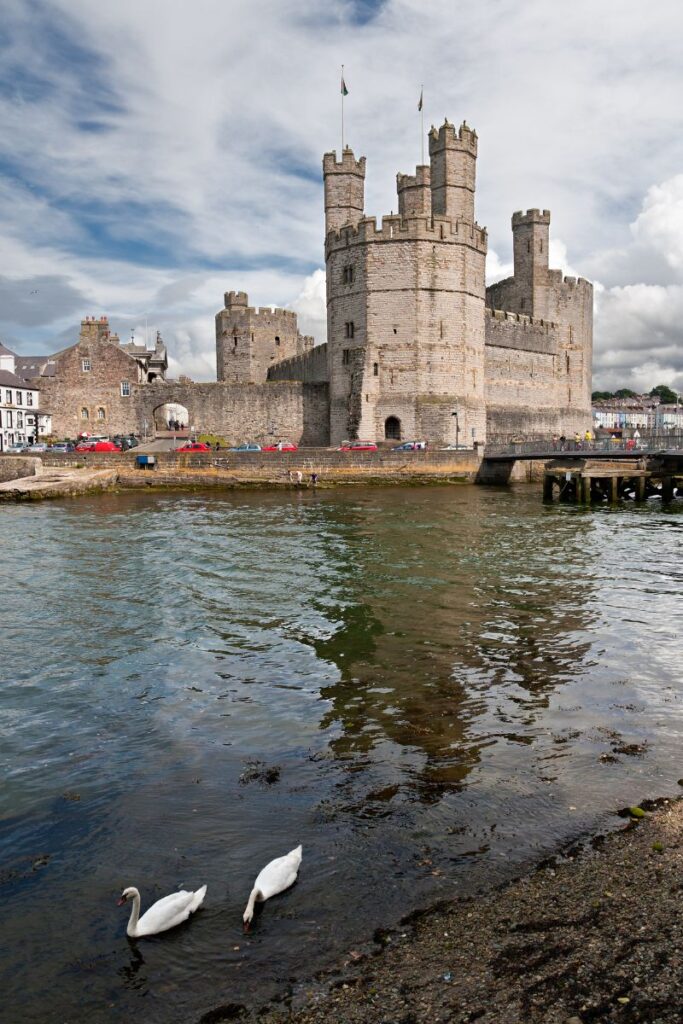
195	446
358	446
281	446
97	446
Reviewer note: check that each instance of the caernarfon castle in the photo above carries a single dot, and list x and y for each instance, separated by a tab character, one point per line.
414	336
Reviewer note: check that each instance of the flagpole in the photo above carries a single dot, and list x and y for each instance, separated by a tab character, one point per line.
342	112
422	127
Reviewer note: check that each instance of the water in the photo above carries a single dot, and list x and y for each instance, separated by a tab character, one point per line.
449	681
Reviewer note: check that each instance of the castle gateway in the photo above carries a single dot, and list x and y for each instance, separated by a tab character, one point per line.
417	346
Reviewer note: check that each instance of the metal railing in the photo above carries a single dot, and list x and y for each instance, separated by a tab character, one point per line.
647	442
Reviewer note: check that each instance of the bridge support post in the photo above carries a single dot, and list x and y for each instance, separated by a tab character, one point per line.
548	481
640	488
667	488
585	482
614	489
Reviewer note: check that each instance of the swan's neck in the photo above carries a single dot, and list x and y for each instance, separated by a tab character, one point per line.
134	915
249	912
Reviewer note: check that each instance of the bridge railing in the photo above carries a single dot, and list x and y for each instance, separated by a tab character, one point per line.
647	442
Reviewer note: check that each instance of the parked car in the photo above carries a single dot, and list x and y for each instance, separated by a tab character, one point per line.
97	446
126	441
14	449
194	446
249	447
411	446
34	449
358	446
62	447
457	448
281	446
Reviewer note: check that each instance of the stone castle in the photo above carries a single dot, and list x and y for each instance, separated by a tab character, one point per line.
417	346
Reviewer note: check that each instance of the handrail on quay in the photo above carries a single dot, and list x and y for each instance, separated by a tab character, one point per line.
547	448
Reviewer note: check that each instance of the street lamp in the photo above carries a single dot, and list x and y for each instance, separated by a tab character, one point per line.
457	429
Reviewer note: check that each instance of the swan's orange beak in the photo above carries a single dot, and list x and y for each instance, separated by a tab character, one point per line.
119	903
246	927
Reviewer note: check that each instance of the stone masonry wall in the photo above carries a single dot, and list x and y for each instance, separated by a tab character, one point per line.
311	368
249	341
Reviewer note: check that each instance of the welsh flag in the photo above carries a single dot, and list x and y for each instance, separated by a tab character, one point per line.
344	90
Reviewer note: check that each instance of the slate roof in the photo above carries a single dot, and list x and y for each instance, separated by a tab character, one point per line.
35	366
4	351
10	380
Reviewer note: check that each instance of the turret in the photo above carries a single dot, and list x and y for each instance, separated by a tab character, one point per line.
344	189
530	237
93	329
453	157
414	193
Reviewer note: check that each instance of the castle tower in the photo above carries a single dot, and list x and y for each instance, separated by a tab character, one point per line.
415	193
250	341
530	240
405	308
344	189
453	158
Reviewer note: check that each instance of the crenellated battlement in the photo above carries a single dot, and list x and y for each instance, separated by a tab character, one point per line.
238	303
347	165
421	179
396	228
447	137
235	299
520	319
557	278
530	217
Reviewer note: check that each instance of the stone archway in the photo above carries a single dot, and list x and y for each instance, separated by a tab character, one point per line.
166	415
392	428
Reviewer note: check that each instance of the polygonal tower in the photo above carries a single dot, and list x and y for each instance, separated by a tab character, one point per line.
405	302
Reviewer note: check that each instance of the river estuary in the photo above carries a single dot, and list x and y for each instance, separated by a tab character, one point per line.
430	688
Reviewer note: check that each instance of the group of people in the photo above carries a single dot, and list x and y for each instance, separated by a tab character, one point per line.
565	444
297	477
175	425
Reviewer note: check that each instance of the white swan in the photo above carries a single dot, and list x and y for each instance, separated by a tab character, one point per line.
274	878
162	915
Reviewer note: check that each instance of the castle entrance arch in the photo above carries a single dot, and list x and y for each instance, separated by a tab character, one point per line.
392	428
169	414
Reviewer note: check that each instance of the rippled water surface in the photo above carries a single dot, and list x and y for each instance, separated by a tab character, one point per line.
428	688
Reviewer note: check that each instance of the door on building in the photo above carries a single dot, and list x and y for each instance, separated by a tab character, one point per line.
392	428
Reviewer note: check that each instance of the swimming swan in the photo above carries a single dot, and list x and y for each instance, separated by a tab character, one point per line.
162	915
274	878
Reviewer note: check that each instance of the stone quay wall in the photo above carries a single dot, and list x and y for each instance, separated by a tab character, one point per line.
16	467
219	467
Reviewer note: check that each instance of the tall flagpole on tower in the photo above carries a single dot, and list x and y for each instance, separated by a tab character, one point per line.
422	127
343	91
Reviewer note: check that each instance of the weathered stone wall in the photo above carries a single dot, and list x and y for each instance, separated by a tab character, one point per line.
287	410
16	467
311	368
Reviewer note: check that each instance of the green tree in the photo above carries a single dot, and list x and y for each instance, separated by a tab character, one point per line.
666	395
599	395
625	393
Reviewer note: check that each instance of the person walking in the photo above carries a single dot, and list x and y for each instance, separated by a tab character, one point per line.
588	437
577	441
314	480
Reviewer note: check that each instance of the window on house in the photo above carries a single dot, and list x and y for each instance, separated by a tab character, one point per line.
30	421
29	398
9	419
375	369
85	415
349	328
0	418
125	389
19	398
8	397
20	420
86	365
101	415
346	356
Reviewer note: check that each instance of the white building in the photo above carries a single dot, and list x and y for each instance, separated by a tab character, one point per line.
643	412
19	402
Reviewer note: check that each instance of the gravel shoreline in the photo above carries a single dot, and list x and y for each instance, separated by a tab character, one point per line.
595	935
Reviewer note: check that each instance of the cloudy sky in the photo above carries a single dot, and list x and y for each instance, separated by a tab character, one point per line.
157	153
